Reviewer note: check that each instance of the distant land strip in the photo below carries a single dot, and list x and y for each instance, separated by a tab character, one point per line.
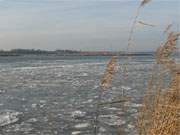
22	52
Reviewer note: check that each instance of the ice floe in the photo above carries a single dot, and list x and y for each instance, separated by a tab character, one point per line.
8	117
78	114
34	105
82	125
32	120
2	91
76	132
125	87
23	127
112	120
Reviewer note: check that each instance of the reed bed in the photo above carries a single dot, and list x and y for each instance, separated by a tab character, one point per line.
160	114
165	115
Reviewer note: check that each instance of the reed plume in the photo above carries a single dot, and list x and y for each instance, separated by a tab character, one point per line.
144	2
109	73
105	84
164	52
131	32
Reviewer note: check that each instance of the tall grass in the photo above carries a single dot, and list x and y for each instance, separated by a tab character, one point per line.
104	85
160	114
109	73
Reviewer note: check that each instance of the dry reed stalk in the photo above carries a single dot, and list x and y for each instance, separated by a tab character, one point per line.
166	117
146	109
145	24
131	32
105	84
109	73
160	112
144	115
167	28
144	2
163	52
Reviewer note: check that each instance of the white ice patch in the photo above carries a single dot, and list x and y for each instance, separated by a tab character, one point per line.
112	120
32	120
8	117
23	127
34	105
125	87
133	105
113	108
2	91
76	132
136	105
131	126
88	101
42	101
78	114
101	129
82	125
82	74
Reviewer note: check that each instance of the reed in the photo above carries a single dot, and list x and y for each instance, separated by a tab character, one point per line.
104	85
144	118
160	112
167	28
146	24
135	20
165	117
131	32
109	73
163	52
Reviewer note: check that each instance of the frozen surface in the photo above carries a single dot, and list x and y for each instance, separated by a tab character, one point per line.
58	95
8	117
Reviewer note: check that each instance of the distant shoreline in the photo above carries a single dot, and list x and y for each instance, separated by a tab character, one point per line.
24	52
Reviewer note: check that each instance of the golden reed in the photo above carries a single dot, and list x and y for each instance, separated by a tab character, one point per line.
109	73
160	114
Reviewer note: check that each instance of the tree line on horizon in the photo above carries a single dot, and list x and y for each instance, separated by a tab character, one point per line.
17	52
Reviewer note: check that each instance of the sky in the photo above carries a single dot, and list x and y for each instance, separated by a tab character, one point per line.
87	25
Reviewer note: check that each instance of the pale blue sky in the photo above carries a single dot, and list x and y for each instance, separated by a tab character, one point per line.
83	24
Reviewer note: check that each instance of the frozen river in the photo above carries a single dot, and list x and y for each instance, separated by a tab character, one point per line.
57	95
